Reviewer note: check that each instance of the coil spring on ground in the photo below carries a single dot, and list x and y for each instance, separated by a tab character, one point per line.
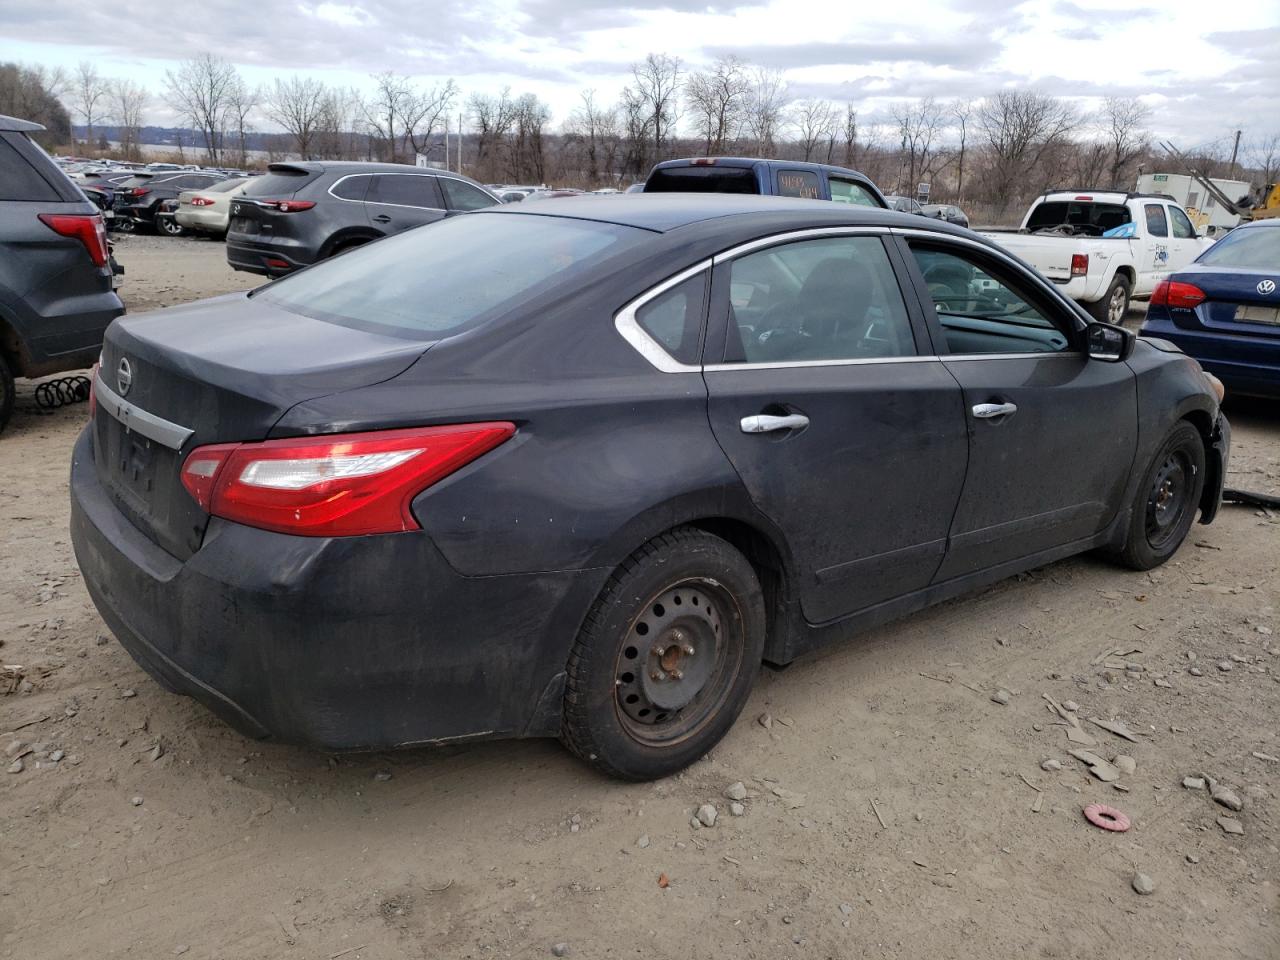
61	391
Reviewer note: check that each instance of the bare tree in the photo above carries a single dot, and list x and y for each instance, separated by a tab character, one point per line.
200	91
331	133
32	93
919	125
718	99
89	89
596	129
527	154
128	99
389	110
766	102
635	127
1264	153
1020	126
427	112
850	131
814	122
494	117
657	84
297	104
242	100
1124	119
962	115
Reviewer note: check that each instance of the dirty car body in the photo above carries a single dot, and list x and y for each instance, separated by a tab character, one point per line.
658	366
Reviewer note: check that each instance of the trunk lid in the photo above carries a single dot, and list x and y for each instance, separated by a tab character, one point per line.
1233	303
188	367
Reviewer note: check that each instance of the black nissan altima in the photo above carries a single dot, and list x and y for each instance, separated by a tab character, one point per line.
578	468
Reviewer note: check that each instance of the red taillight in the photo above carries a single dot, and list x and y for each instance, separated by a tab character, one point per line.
287	206
1084	198
704	162
1177	295
1079	264
85	227
333	486
139	192
275	263
201	202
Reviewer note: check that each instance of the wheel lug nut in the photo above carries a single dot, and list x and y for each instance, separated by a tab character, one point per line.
658	650
688	649
657	675
677	674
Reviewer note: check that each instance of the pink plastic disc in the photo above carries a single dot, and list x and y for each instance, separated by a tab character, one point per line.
1108	818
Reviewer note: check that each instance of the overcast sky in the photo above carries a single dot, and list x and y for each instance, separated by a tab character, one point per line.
1203	70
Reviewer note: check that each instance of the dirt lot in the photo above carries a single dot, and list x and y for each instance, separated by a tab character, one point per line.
160	832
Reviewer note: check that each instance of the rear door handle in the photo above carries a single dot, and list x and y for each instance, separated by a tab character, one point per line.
382	218
764	423
985	411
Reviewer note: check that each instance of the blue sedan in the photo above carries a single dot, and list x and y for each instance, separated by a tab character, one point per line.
1224	309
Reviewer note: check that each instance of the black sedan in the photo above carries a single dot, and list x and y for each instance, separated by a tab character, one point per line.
577	470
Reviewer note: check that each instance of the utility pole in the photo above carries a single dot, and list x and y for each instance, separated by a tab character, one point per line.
1234	151
459	141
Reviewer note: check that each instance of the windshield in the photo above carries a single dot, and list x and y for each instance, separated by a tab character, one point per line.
1253	248
437	280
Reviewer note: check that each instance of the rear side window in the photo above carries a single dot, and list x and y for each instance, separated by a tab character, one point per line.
280	182
1157	223
798	183
19	180
404	190
828	299
351	188
848	191
703	179
674	318
463	196
453	274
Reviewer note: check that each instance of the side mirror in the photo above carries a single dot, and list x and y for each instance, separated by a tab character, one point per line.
1108	342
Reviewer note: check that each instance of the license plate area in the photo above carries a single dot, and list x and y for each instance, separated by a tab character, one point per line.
1250	314
243	225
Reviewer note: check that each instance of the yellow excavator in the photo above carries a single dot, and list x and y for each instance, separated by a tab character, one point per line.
1259	207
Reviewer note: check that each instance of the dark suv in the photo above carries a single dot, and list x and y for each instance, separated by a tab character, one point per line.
780	178
138	199
55	275
300	213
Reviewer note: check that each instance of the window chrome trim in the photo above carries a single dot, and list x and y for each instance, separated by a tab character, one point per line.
809	233
136	420
1031	354
343	179
626	324
383	203
788	364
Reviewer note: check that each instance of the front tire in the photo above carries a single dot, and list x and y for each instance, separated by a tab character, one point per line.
666	658
1167	500
1114	306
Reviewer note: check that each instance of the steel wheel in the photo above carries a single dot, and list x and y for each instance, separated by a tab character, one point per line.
678	662
1169	498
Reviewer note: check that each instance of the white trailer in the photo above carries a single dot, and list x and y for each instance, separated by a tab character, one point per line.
1205	211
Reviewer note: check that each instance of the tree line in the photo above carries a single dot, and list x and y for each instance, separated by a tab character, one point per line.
994	151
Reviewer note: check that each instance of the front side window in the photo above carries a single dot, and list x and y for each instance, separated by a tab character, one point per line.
833	298
982	310
1182	228
463	196
848	191
1157	223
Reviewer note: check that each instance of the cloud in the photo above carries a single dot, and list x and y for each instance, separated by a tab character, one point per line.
1260	43
960	54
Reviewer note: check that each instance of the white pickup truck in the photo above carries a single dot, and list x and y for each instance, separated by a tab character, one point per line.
1101	247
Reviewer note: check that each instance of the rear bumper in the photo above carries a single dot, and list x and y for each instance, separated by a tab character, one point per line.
1246	366
205	221
253	256
342	644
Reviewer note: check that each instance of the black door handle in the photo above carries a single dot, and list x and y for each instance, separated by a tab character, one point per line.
382	218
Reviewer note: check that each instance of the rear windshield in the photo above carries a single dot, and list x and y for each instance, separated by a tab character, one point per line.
139	180
280	183
224	185
707	179
440	279
1089	219
1253	248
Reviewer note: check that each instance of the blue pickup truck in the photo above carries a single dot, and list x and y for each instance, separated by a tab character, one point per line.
781	178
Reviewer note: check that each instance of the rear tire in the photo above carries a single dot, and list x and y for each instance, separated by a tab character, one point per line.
7	393
1167	500
345	247
666	658
170	227
1114	306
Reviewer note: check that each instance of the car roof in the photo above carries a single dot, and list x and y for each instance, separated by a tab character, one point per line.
755	162
360	166
663	212
13	123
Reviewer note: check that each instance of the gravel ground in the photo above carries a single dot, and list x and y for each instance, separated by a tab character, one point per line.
890	807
